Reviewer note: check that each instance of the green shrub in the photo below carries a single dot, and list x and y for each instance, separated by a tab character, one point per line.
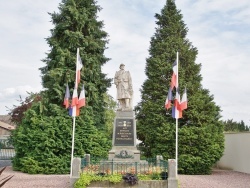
86	179
30	166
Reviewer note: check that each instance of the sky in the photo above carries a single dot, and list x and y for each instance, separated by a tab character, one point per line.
218	29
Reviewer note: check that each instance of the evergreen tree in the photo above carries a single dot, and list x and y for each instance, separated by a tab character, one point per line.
234	126
76	26
201	139
43	139
109	114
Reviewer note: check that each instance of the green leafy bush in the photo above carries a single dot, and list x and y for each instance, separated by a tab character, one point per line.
86	179
201	148
30	165
43	143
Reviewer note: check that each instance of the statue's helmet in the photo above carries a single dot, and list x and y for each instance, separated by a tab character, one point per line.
121	65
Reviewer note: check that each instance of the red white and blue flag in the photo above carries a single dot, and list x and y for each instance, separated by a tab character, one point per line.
78	68
74	101
176	112
174	79
76	104
66	97
168	99
184	100
179	104
177	100
81	101
74	111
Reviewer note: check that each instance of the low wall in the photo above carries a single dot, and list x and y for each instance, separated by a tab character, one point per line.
4	163
140	184
237	153
171	182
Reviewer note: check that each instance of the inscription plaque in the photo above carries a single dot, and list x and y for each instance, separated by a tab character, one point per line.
124	132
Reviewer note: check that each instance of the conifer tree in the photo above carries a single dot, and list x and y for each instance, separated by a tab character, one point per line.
76	25
234	126
201	140
43	139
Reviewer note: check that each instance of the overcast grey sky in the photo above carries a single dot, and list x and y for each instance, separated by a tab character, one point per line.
219	30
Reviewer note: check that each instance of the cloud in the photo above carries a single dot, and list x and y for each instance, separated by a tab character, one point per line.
219	30
11	96
222	45
9	93
24	25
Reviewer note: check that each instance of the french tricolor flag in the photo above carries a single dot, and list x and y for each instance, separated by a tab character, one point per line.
74	111
81	101
74	101
174	76
78	68
184	100
176	112
168	99
66	97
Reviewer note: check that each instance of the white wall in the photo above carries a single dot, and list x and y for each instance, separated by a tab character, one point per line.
237	152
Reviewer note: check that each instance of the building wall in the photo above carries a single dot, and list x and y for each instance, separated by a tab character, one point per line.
4	131
237	152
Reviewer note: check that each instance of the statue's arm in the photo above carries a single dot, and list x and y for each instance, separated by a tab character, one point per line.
130	83
116	78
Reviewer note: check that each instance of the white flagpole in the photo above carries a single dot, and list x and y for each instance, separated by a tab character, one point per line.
72	148
74	118
176	132
77	54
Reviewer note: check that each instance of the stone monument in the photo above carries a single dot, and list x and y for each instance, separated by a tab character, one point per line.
123	82
124	129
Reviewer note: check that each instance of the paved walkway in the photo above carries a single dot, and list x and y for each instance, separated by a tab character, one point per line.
218	179
23	180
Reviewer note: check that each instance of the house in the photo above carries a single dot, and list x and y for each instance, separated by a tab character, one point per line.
5	126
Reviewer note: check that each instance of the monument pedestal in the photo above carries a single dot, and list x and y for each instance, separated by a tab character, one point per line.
124	138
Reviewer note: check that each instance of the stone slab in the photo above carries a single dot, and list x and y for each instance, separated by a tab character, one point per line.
76	167
124	134
140	184
124	138
121	114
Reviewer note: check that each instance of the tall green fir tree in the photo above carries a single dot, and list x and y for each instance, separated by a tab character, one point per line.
233	126
201	139
43	139
76	26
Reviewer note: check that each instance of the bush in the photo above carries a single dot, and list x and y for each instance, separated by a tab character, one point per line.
86	179
132	179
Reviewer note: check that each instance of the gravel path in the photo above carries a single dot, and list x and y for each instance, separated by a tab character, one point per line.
22	180
218	179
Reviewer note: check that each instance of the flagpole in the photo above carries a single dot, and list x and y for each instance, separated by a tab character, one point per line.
72	148
76	80
176	131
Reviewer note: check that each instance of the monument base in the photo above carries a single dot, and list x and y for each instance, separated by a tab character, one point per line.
124	154
124	138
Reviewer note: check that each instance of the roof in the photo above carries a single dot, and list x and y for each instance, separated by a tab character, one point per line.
6	119
6	126
6	123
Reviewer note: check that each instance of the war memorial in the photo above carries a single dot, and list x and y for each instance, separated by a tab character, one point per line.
124	154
